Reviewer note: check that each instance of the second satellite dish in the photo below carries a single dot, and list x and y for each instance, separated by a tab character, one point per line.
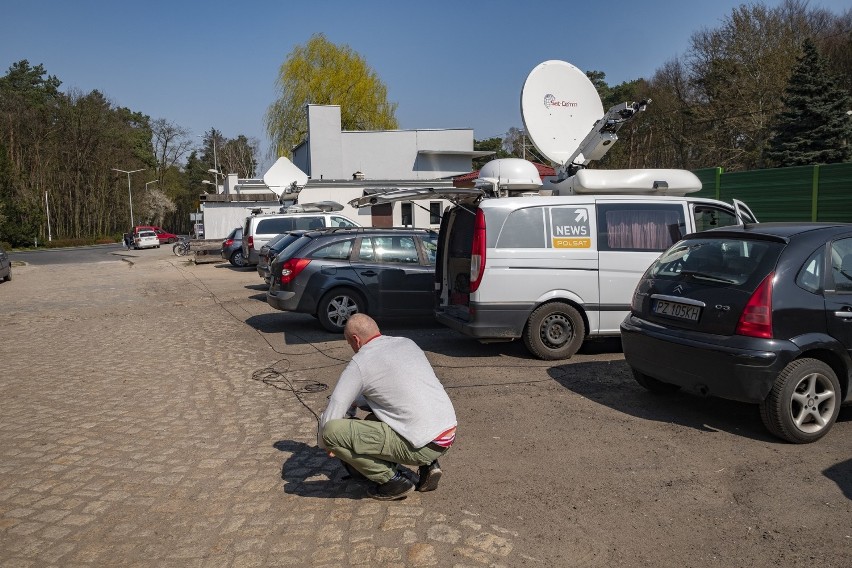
559	106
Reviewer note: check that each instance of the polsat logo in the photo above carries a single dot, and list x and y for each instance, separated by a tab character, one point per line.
550	101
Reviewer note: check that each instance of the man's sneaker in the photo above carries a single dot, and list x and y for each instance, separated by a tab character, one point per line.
430	475
397	488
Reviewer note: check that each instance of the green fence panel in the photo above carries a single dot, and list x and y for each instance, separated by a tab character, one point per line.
804	193
834	195
782	194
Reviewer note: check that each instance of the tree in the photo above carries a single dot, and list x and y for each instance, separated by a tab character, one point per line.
239	156
495	144
813	127
321	72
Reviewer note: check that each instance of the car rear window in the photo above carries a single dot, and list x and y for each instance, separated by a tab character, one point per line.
735	262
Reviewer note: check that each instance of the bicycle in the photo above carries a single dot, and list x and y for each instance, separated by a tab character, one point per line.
181	248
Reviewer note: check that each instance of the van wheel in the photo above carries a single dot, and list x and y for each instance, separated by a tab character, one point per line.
653	384
554	331
804	402
337	306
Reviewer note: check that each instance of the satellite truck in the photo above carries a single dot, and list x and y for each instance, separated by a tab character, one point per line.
556	263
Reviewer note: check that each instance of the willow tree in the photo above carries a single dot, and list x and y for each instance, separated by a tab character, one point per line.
320	72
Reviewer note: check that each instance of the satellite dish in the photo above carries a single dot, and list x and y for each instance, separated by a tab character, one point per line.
559	106
283	175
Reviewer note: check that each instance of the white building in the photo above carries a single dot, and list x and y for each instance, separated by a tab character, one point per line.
332	164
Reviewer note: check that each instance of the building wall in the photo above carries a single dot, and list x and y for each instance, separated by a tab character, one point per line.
332	154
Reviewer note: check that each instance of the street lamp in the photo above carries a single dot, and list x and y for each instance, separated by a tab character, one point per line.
129	194
147	183
215	160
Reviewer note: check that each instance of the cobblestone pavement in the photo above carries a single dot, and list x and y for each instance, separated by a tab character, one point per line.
155	412
132	433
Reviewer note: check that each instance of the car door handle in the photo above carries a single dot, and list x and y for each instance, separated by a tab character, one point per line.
844	314
369	273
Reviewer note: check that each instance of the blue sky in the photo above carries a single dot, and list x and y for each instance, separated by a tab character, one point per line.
449	64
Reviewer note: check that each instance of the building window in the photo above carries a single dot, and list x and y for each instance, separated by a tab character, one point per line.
434	212
406	215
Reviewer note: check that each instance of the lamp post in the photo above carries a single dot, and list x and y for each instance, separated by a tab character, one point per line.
213	139
147	183
129	194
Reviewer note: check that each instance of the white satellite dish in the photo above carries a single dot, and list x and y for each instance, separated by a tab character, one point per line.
559	107
283	176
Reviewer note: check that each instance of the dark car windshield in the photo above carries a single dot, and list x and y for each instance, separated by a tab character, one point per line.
721	260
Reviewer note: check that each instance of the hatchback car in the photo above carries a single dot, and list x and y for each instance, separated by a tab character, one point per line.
759	314
270	250
146	239
335	273
162	235
5	266
232	248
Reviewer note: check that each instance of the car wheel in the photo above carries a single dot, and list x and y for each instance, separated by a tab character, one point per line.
337	306
554	331
653	384
804	402
237	259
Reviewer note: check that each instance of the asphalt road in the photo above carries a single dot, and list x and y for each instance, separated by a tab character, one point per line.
160	413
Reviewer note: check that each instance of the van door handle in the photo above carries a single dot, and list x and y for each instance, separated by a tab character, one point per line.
374	273
844	314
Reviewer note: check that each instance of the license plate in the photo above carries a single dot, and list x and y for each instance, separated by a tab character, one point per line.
675	310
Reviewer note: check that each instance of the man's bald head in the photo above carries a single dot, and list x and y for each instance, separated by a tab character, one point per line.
359	330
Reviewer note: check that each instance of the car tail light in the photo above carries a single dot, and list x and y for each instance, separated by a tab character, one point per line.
756	319
250	242
477	251
228	242
292	268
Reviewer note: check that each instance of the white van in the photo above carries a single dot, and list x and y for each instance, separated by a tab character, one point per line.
259	229
555	270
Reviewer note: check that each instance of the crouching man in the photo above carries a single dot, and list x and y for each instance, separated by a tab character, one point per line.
415	422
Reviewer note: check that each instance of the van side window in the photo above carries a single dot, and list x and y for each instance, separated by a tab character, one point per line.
639	227
524	228
710	217
336	221
309	223
274	226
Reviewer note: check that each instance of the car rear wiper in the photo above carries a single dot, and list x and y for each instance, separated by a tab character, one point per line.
705	276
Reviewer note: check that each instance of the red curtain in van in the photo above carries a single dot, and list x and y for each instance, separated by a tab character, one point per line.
642	230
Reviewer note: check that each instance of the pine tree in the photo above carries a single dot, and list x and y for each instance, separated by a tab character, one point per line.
813	127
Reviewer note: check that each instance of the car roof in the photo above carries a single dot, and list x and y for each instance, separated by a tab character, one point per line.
782	230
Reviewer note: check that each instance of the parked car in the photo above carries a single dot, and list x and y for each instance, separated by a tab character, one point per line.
335	273
232	248
146	239
270	250
759	314
259	229
162	235
553	270
5	266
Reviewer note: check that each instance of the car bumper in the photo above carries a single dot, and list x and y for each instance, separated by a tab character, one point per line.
282	300
500	322
731	367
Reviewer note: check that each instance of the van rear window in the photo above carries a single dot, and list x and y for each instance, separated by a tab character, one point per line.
639	227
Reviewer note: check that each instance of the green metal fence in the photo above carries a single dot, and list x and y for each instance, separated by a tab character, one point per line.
805	193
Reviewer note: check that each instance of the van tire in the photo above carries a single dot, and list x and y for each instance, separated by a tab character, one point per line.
337	306
554	331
